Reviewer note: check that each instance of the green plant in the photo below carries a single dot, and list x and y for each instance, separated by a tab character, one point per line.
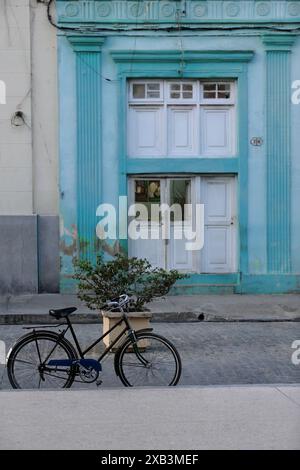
135	277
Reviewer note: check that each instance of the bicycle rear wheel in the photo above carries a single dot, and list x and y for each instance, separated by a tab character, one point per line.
150	361
27	363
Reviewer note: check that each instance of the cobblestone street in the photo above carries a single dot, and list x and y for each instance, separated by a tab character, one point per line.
212	353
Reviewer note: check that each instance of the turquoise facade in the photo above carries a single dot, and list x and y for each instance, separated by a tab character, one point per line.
104	43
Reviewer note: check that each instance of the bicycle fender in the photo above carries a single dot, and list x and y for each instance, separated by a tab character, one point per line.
143	330
21	339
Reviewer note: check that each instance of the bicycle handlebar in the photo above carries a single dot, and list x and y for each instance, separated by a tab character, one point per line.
118	302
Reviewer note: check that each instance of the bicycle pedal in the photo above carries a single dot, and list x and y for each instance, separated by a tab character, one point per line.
99	382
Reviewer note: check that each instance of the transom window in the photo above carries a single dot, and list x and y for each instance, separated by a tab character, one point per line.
146	91
181	90
177	118
216	91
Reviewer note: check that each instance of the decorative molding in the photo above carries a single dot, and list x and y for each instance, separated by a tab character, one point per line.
177	56
278	83
86	43
89	154
278	42
170	11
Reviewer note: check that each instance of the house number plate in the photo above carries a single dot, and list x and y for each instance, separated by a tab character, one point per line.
256	141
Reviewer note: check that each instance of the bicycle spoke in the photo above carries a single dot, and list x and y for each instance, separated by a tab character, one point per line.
27	366
161	364
132	364
24	362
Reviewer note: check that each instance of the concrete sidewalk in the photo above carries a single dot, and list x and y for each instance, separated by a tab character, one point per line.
258	417
28	309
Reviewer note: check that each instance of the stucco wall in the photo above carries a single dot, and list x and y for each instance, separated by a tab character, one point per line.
16	191
28	154
44	112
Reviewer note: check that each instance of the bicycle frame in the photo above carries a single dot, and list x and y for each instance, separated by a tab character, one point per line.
82	353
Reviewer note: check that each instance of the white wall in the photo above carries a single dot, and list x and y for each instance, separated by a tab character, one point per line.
44	112
16	195
28	154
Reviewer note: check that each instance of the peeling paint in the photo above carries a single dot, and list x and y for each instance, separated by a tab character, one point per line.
69	249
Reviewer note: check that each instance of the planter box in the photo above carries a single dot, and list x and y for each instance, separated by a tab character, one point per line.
138	321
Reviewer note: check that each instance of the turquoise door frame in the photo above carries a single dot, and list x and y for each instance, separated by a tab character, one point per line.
194	64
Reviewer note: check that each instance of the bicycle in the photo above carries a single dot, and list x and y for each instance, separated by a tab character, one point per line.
46	359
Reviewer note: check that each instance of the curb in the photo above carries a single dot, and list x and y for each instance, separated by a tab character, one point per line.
167	317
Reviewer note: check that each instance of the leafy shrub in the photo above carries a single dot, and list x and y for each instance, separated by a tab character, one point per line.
136	277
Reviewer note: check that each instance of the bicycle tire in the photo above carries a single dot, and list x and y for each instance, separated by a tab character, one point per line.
127	348
41	336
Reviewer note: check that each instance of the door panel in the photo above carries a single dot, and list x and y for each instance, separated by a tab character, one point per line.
178	257
217	255
219	252
152	249
146	131
217	131
182	130
217	201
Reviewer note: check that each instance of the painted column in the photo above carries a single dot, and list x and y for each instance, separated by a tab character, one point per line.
89	148
278	89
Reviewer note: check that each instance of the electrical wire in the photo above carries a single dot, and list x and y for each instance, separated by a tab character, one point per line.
180	41
52	22
203	27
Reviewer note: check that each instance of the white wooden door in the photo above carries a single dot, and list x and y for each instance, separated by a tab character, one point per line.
219	199
162	239
217	193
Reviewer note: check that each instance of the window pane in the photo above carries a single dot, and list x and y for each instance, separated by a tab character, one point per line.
138	90
147	192
153	86
209	86
224	90
153	90
153	94
187	94
175	94
180	194
209	94
224	86
187	87
175	87
224	94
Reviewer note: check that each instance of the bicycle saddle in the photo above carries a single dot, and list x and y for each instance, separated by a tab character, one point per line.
62	312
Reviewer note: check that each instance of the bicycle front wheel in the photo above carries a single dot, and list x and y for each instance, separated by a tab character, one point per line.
150	361
27	365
